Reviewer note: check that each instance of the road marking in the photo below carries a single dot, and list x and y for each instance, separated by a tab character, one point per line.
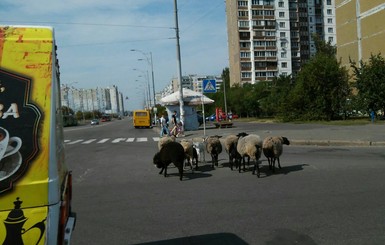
103	141
74	142
88	141
114	141
117	140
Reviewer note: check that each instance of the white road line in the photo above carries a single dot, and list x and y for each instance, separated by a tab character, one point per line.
117	140
103	141
74	142
88	141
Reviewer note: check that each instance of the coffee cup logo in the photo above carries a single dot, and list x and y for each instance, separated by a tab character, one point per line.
8	145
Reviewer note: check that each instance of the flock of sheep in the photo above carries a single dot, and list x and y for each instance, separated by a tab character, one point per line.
240	148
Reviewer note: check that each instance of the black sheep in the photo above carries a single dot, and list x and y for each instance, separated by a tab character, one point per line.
171	152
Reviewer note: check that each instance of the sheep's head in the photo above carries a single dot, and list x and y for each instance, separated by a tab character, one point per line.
285	141
243	134
157	160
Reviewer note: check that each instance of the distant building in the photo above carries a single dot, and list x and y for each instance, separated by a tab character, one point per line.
269	38
360	29
105	100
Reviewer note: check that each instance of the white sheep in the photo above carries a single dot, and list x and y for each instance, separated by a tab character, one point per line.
273	148
250	146
164	140
214	148
199	145
189	151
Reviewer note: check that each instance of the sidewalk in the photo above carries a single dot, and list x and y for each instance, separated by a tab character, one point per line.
303	134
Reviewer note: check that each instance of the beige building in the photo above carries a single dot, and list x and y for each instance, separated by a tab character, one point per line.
269	38
360	29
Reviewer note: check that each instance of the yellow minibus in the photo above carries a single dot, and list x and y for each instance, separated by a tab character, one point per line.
141	119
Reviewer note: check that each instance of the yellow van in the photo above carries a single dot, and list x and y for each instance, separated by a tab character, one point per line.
35	184
141	118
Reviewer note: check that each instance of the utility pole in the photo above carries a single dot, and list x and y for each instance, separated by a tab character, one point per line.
181	105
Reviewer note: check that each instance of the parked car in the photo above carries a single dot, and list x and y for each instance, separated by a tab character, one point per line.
94	122
211	118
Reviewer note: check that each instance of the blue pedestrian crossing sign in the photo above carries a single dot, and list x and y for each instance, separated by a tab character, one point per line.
209	86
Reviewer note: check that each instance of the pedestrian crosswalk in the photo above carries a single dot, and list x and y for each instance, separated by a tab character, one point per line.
109	140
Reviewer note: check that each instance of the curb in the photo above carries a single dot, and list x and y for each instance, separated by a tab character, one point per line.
337	142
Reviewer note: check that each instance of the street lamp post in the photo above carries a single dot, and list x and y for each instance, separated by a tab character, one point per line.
146	76
150	62
179	65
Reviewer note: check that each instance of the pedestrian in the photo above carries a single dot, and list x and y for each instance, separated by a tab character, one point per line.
163	126
372	115
174	123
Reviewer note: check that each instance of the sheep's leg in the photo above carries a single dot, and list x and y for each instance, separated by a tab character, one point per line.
256	167
273	160
165	171
180	172
269	160
212	160
216	160
161	170
279	164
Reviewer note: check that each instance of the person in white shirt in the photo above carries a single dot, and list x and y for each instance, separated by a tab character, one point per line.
163	126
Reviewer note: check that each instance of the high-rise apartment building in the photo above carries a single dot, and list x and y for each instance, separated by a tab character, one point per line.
268	38
360	29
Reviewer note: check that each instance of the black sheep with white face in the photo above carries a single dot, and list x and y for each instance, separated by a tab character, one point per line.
171	152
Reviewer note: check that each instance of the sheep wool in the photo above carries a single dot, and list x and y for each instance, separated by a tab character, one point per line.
214	148
273	148
164	140
230	143
250	146
171	152
189	152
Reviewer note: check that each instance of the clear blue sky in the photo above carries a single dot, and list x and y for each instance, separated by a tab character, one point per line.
95	37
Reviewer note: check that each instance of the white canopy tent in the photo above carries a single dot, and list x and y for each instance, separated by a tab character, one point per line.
191	99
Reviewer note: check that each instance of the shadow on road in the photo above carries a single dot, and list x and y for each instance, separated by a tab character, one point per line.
209	239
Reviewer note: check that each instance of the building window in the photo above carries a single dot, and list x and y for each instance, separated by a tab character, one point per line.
330	21
283	55
243	13
329	2
282	34
330	30
243	23
242	3
245	55
281	4
283	44
244	44
246	74
281	14
284	65
331	39
329	12
282	24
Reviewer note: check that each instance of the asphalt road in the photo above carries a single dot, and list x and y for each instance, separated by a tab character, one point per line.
322	195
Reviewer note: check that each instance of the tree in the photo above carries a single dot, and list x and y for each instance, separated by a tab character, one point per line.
370	82
321	88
